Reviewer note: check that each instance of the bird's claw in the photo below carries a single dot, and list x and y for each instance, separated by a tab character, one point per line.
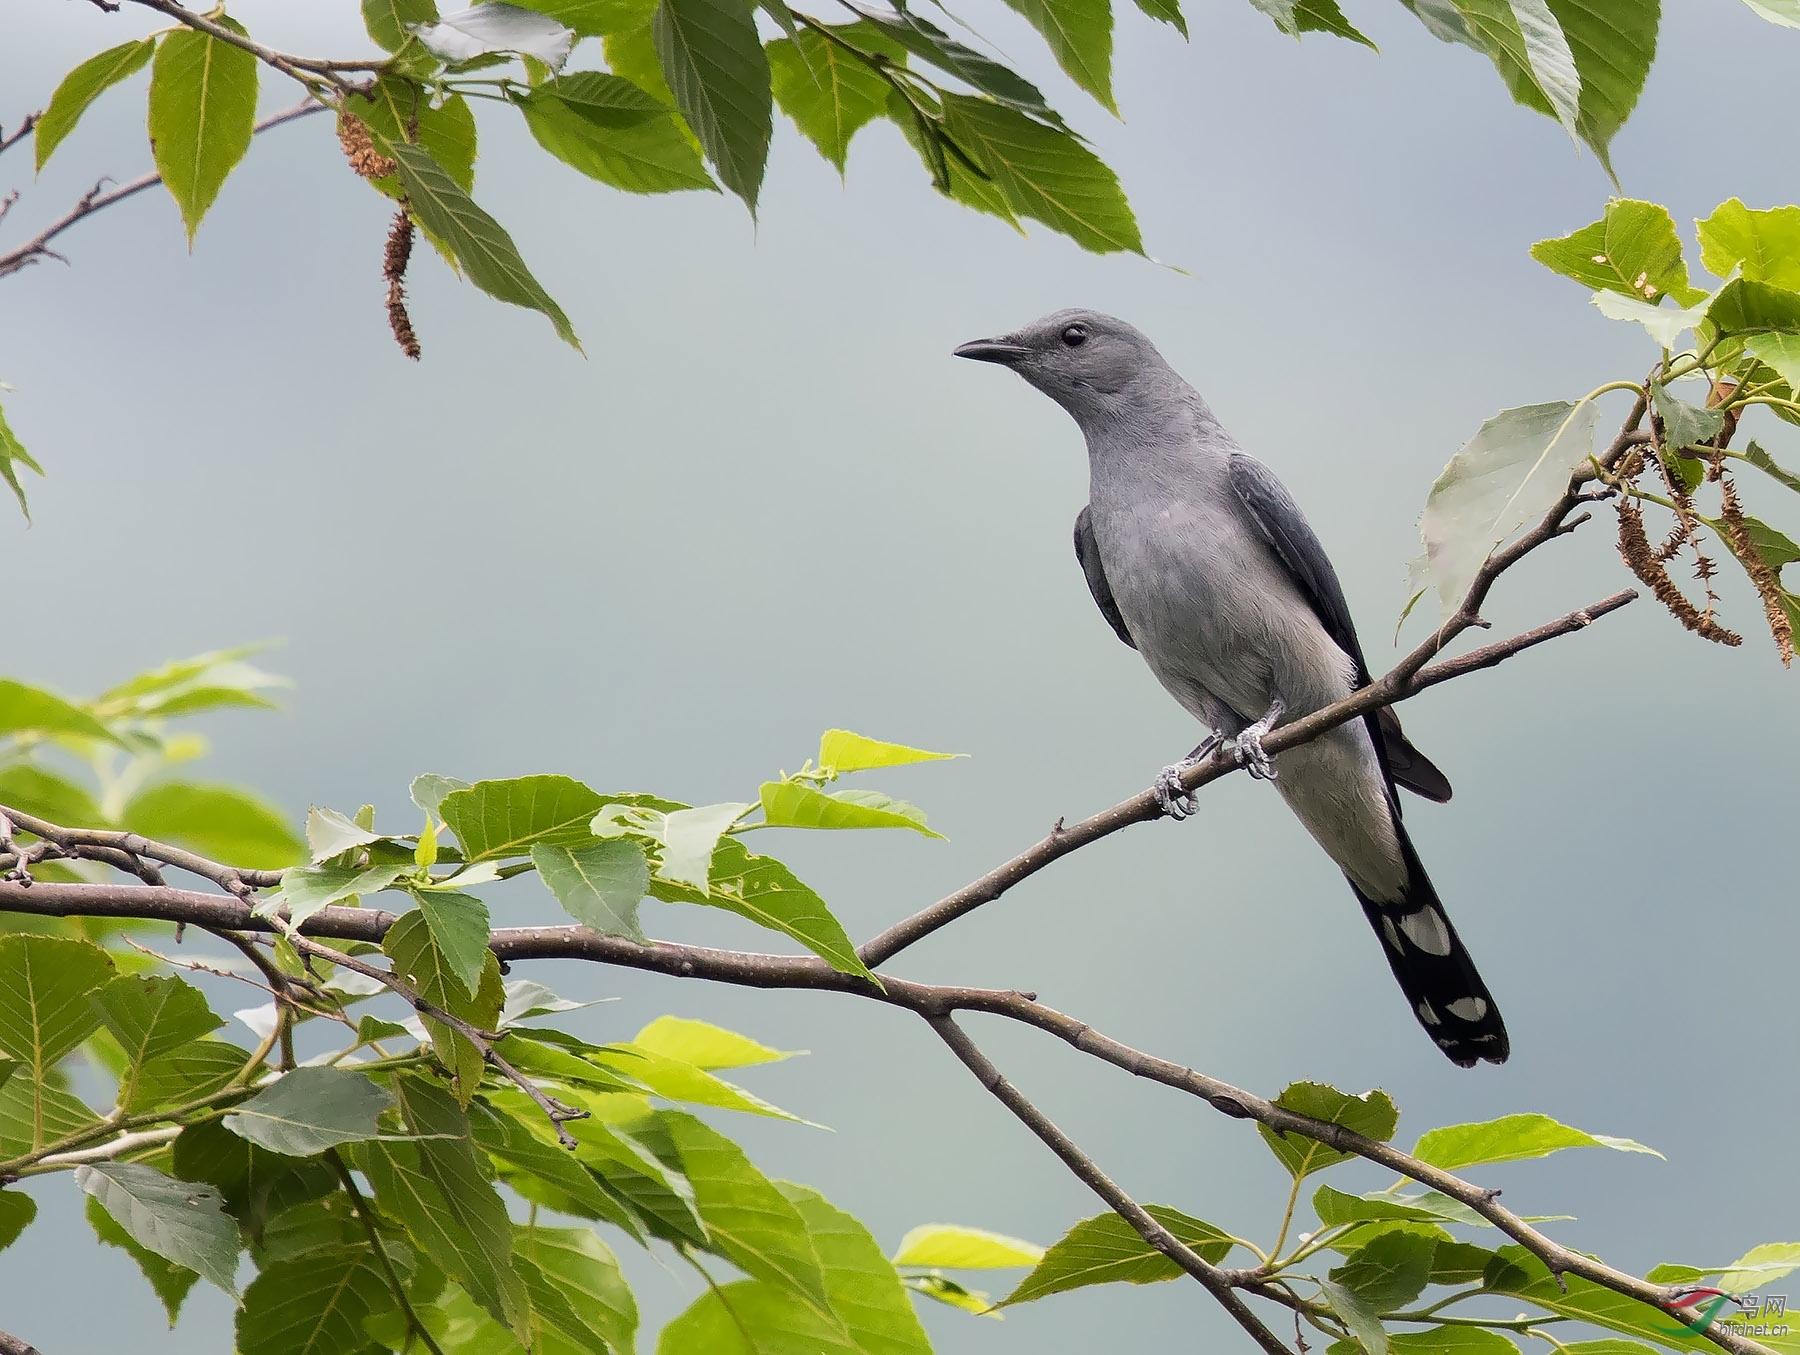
1248	744
1174	799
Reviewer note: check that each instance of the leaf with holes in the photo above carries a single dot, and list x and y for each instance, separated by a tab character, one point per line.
1633	250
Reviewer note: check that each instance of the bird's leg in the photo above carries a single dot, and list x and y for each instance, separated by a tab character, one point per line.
1250	753
1176	800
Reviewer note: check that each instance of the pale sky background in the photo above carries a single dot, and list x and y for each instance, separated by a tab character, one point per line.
769	502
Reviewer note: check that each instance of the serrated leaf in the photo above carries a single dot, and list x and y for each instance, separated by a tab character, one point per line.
196	1069
1364	1325
599	883
32	709
828	92
546	1173
1633	250
496	27
171	1283
705	1045
1763	246
1511	1138
306	889
794	804
1324	16
150	1017
581	1269
1045	174
417	959
1516	1272
389	22
36	1114
12	456
17	1210
202	115
437	1189
45	1011
924	39
1510	473
459	927
330	833
962	1248
1334	1207
1526	43
309	1110
495	819
1373	1115
842	751
719	76
1106	1250
1079	35
613	131
676	1080
178	1220
690	837
1387	1272
1613	46
256	1184
314	1304
1761	1265
226	824
429	789
480	244
80	87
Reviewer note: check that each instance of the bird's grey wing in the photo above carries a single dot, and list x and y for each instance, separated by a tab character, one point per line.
1087	551
1278	520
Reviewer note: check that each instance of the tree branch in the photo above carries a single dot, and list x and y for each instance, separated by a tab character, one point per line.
1089	1173
12	1345
308	71
94	200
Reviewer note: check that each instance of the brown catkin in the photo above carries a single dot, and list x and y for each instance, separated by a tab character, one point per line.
359	148
1634	546
1768	586
393	268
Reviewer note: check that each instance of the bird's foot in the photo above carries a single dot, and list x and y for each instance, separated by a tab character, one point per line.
1250	753
1175	800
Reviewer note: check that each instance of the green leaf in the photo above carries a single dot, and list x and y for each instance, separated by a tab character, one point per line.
256	1184
202	115
1165	11
1324	16
944	1290
228	825
1334	1207
1448	1341
544	1172
1762	246
719	75
34	1114
1744	307
1783	12
1510	473
1512	1138
1389	1271
1613	46
185	1074
417	959
923	39
330	833
549	1054
495	819
306	889
80	87
12	456
35	791
313	1304
611	130
960	1248
178	1220
1515	1271
459	927
658	1194
584	1272
399	108
751	1223
766	892
1106	1249
689	838
1079	35
675	1080
1760	1266
34	710
479	243
1044	174
170	1282
1459	1263
1633	250
1526	43
44	1006
150	1017
428	791
794	804
437	1189
17	1210
389	21
1357	1316
704	1045
1684	425
596	18
309	1110
598	883
1781	352
211	681
1663	324
829	93
1373	1115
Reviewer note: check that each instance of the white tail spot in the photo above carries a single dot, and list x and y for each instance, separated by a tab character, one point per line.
1428	1016
1427	931
1469	1008
1392	934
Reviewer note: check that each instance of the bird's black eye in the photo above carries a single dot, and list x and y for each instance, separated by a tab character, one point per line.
1075	335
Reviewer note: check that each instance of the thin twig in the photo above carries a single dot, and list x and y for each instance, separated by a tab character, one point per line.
366	1216
8	142
308	71
94	200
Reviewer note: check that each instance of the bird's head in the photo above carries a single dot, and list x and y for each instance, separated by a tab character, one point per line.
1088	363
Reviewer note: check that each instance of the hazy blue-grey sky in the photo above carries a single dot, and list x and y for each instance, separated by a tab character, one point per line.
768	502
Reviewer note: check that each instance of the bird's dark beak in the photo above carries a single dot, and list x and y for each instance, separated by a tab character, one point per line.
1002	350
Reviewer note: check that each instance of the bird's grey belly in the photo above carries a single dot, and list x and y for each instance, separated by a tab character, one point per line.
1225	631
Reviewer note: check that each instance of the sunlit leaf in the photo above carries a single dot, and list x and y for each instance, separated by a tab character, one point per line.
229	825
705	1045
1106	1250
1511	1138
960	1248
80	87
202	114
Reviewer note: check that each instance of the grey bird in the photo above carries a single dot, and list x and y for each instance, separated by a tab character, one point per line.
1201	561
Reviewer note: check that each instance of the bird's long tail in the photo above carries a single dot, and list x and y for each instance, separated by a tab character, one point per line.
1434	969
